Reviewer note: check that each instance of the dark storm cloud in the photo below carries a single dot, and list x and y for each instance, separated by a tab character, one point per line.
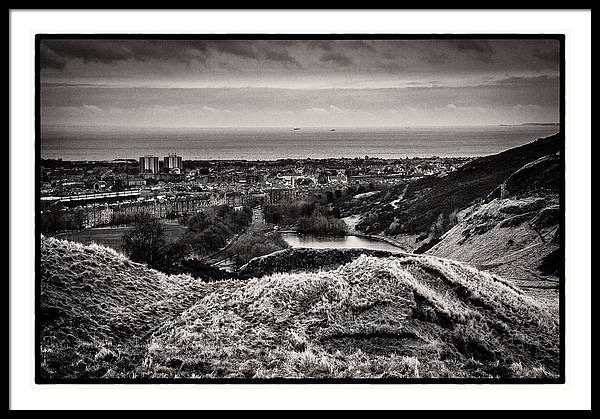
548	55
56	53
436	57
50	59
361	45
324	45
482	49
257	50
327	45
391	66
281	56
240	48
337	58
58	85
418	56
474	45
476	52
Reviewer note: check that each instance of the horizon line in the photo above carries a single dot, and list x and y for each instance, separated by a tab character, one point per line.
299	126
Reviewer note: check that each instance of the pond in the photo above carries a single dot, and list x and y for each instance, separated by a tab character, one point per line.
331	242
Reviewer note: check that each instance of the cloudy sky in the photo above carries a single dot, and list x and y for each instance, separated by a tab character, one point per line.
236	83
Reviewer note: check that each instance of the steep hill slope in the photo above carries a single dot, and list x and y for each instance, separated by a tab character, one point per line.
371	316
425	199
516	232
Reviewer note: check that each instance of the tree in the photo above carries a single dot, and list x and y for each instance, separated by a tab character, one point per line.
144	241
198	222
59	218
329	196
307	209
257	241
272	214
319	224
452	219
437	229
212	238
171	256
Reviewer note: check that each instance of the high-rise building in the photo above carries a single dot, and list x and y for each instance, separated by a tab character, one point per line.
173	161
149	164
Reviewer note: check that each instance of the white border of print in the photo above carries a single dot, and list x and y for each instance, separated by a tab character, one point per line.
575	394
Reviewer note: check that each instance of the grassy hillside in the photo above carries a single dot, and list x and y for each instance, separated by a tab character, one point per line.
400	316
98	308
425	199
372	316
515	235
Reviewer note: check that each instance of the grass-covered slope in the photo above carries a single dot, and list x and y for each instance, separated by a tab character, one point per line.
98	307
374	317
517	233
425	199
371	316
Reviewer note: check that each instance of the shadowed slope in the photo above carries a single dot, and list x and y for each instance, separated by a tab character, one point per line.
426	198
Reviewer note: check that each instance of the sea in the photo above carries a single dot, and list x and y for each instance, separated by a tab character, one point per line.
108	143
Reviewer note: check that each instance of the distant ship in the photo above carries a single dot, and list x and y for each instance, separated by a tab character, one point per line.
296	129
332	129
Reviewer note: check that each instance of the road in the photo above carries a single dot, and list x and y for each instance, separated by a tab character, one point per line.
224	262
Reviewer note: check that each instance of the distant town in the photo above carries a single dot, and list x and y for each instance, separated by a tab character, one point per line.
173	186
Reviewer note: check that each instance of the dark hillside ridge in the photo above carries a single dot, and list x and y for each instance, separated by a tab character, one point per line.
542	176
298	259
427	198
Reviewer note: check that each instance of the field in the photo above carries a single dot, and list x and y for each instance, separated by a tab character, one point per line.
384	316
111	236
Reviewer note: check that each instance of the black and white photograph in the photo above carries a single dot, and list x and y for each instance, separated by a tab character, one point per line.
312	208
300	208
